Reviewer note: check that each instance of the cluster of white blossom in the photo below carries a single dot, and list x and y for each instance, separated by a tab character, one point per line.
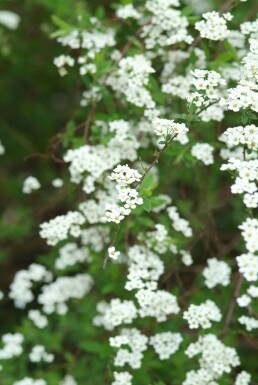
68	380
124	177
137	344
122	378
38	319
145	268
216	359
61	227
203	152
250	323
245	180
30	184
214	25
248	266
250	234
128	11
245	136
91	43
53	297
243	378
131	80
169	128
166	26
119	312
21	287
158	304
178	223
38	354
12	346
9	19
70	254
216	273
165	344
202	315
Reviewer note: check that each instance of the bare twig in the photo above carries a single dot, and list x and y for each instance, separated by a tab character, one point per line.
229	315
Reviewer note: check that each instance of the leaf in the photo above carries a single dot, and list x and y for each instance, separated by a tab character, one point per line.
147	182
146	204
187	11
61	23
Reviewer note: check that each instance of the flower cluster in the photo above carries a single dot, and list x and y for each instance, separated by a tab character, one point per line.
30	184
38	354
216	273
214	26
124	176
61	227
203	152
202	315
166	344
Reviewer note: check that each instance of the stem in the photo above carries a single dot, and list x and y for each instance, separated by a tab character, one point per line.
87	124
238	285
112	244
205	107
155	161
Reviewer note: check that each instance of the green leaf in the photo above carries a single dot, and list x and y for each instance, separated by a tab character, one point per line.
187	11
146	204
147	182
61	23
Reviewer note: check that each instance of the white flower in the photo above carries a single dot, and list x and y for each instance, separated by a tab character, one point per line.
112	253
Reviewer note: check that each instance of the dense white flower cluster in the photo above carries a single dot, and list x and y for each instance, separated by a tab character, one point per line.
245	136
30	184
165	127
128	11
91	97
202	315
178	223
250	234
244	300
21	287
245	181
9	19
203	152
131	80
159	304
214	25
243	378
122	378
216	273
70	254
53	297
166	25
145	268
119	312
248	266
137	343
207	84
166	344
61	227
250	323
38	354
216	359
39	320
124	176
12	346
91	43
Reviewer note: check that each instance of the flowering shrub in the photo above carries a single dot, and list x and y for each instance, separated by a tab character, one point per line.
150	268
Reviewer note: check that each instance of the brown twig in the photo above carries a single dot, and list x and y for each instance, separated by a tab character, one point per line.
229	315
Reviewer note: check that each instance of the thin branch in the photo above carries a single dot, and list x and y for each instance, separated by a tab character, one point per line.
238	285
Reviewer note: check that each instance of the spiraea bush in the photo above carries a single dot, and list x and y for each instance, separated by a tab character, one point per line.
145	201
